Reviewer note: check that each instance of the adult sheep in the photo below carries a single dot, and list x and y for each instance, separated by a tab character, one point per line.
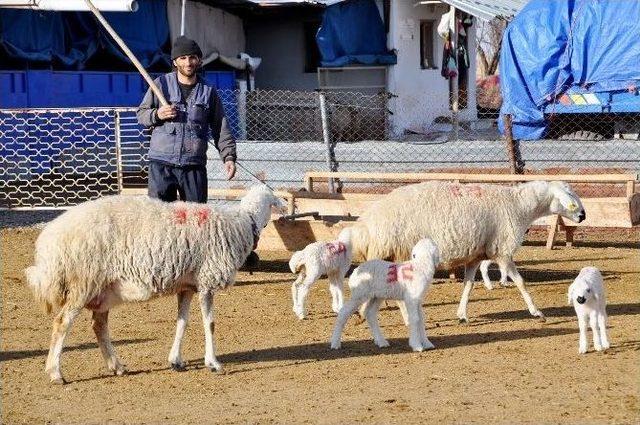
469	223
120	249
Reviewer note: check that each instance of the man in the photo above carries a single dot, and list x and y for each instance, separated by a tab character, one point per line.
178	149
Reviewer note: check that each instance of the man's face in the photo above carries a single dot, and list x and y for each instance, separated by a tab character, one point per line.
187	65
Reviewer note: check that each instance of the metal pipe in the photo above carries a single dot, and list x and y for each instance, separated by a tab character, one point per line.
128	52
454	80
119	154
325	135
72	5
183	13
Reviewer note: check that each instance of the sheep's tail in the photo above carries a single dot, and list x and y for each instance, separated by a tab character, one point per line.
46	291
296	262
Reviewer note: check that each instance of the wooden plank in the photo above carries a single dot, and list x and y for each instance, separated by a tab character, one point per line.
630	188
229	194
348	207
553	229
294	235
467	177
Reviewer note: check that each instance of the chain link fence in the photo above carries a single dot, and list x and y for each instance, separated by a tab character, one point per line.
54	158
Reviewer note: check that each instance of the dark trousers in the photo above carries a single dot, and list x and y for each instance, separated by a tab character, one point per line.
166	182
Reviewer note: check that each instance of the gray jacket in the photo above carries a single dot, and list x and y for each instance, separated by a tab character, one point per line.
183	140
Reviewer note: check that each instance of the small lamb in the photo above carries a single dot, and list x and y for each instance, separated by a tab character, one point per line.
331	258
378	280
588	297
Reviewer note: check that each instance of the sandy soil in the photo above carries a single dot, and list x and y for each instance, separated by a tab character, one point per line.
504	367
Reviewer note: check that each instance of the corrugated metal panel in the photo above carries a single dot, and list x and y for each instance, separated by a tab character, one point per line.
488	9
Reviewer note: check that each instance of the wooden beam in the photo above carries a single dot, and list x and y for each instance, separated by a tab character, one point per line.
630	188
229	194
467	177
553	229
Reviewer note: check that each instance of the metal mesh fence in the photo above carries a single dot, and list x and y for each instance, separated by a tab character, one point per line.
62	157
52	158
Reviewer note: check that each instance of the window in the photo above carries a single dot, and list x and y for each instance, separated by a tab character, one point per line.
311	51
427	41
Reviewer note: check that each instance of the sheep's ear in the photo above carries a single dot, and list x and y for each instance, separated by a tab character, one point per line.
570	294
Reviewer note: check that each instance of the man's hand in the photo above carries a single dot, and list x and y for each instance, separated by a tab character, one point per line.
167	112
230	168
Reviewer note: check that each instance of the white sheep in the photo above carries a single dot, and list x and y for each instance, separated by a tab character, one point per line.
121	249
331	258
377	280
588	297
468	223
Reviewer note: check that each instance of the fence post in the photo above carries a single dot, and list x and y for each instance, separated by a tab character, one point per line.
118	155
513	147
326	136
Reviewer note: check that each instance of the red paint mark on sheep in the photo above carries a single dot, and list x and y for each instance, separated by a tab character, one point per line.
475	191
392	274
406	271
336	248
203	216
180	215
455	190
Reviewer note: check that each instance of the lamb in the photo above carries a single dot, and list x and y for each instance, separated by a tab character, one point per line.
468	223
377	280
332	258
121	249
588	297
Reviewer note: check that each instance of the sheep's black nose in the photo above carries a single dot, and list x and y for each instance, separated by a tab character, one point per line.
582	216
581	300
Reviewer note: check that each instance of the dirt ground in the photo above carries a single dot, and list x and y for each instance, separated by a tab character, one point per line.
504	367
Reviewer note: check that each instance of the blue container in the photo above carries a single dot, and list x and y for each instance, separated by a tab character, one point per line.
64	89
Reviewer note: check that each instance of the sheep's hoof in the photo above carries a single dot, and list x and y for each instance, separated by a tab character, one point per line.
335	346
179	367
58	381
540	316
383	344
428	346
463	321
219	371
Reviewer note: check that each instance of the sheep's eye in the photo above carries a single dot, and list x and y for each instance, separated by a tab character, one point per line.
588	290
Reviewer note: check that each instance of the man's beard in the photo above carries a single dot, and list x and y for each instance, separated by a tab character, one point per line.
182	70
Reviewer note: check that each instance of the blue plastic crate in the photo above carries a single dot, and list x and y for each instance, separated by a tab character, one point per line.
65	89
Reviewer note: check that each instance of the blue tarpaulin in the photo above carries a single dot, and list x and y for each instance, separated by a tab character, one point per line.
69	39
352	32
552	46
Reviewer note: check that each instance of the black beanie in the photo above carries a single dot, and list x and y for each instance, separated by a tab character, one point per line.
184	46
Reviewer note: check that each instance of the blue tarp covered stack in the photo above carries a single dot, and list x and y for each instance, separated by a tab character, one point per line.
69	39
554	46
353	33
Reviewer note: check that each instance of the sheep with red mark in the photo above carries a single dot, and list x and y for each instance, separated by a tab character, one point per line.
331	258
469	223
378	280
121	249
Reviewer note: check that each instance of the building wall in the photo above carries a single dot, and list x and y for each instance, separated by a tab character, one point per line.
280	44
423	94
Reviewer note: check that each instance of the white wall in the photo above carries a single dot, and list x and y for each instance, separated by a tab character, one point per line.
423	94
